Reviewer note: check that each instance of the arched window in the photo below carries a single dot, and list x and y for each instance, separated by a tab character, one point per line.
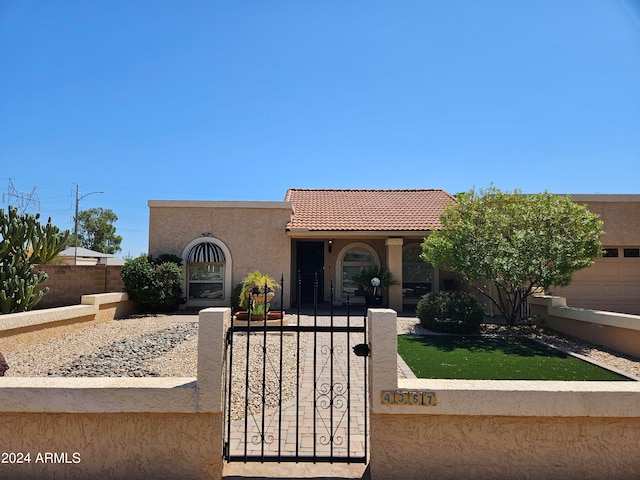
417	275
208	270
352	259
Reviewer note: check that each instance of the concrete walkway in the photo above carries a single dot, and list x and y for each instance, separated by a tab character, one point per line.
316	414
293	471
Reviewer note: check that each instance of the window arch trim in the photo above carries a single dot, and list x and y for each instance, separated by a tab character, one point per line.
340	260
210	244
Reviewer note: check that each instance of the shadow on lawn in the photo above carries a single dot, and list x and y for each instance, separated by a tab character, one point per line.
520	346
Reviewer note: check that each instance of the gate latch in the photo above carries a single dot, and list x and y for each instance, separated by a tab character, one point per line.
362	350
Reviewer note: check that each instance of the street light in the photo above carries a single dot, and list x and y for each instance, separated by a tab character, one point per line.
75	227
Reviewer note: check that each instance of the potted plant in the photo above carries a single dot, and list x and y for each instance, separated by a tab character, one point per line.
259	289
373	280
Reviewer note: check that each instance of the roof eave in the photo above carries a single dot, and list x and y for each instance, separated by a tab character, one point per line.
252	204
306	233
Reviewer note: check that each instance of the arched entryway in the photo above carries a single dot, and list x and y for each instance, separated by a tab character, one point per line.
351	260
207	272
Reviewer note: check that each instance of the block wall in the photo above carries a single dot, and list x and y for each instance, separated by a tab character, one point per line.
67	283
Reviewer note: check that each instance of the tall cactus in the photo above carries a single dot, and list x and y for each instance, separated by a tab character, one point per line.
24	243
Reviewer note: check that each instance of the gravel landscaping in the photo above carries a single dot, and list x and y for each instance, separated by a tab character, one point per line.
166	345
135	347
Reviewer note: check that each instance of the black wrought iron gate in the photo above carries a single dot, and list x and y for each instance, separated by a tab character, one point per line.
296	388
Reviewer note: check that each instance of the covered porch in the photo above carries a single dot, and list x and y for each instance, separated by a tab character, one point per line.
337	233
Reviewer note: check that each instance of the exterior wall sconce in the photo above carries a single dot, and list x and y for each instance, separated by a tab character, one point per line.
330	245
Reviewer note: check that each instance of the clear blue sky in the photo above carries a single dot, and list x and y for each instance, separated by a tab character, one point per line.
240	100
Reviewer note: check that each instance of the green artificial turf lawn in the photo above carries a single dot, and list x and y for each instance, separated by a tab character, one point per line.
493	358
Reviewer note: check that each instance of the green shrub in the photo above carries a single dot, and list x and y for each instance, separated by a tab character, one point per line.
151	285
167	257
450	312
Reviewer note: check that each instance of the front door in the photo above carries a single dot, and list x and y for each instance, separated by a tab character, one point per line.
310	265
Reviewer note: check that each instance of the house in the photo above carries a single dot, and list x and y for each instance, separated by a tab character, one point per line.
84	256
612	283
313	233
327	235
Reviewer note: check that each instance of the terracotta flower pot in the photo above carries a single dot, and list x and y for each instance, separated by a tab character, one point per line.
273	315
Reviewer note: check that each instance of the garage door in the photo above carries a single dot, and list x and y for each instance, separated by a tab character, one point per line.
611	284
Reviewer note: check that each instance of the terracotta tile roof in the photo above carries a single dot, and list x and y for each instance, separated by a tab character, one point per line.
367	210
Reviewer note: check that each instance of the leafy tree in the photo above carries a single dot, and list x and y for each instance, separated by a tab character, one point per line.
153	285
96	231
518	242
24	243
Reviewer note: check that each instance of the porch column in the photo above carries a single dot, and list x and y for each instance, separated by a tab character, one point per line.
394	261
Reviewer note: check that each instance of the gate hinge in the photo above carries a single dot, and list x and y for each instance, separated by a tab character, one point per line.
362	350
228	338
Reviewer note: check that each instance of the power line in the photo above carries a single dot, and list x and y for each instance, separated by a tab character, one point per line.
21	200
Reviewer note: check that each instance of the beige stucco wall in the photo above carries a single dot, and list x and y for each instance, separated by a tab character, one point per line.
172	427
18	330
114	446
502	447
120	428
620	214
254	233
617	331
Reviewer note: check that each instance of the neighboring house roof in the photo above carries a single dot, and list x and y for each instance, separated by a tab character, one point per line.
367	210
83	252
117	261
106	258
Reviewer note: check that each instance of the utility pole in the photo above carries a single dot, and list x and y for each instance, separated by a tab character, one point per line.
75	227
